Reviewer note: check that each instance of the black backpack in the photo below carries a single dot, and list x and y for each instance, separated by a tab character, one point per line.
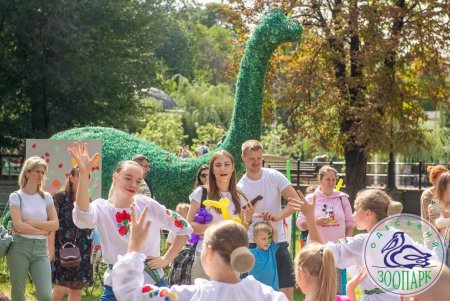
180	270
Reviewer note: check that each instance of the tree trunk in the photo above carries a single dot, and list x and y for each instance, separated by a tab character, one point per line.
355	170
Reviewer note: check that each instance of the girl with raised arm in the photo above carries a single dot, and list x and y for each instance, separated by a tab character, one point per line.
371	206
112	217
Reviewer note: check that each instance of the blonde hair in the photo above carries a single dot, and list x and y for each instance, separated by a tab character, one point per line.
324	169
379	202
118	169
213	189
253	145
318	261
434	172
442	182
230	240
261	227
31	164
182	207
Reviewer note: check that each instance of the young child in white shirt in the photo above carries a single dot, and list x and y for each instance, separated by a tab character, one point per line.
224	256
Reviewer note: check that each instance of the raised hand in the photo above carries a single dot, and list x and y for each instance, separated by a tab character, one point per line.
247	211
139	229
301	203
80	152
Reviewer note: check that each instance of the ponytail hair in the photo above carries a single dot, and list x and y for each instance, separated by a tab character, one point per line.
74	172
379	202
230	240
318	261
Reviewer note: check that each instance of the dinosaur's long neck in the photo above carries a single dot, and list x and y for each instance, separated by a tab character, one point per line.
274	29
247	113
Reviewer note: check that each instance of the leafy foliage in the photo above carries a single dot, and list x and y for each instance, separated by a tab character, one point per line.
66	63
210	134
171	176
164	130
356	83
203	103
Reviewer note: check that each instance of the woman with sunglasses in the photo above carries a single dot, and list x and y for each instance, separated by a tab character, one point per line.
202	176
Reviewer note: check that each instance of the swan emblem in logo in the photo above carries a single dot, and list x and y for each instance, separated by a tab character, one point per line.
404	255
398	254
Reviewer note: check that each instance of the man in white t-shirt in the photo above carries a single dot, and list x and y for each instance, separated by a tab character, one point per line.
271	185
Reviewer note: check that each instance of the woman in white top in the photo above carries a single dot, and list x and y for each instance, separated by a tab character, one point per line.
224	256
221	184
33	216
112	218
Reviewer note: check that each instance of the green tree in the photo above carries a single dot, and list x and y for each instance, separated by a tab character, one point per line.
356	82
196	44
164	130
203	103
72	63
208	133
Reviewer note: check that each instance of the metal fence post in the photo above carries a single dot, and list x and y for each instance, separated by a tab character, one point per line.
420	174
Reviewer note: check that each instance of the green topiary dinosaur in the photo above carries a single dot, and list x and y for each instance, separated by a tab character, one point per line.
172	177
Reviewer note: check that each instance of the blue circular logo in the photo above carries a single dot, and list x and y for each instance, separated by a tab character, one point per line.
404	254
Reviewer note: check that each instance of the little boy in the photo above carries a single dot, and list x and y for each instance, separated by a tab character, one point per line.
265	269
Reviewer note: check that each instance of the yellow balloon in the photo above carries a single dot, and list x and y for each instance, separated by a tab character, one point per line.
223	205
339	184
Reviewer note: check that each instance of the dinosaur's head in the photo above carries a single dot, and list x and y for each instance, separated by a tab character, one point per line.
276	28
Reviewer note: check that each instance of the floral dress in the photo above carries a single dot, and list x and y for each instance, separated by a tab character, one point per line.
73	278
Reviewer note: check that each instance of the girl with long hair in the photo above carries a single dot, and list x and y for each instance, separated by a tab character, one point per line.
112	218
221	184
71	279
